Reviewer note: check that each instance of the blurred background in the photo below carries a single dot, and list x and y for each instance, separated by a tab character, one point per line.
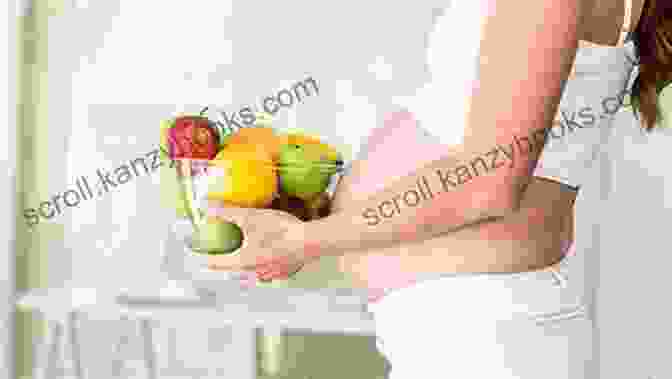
96	77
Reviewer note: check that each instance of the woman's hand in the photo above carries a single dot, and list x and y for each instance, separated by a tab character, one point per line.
273	242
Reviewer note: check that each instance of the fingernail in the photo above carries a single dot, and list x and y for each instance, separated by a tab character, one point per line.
273	273
264	271
265	279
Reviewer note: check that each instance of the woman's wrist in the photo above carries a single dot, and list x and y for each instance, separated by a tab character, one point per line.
318	238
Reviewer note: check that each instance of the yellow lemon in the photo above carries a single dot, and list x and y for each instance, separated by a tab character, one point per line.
243	175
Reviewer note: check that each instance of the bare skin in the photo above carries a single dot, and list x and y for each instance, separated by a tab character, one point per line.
603	19
498	194
530	239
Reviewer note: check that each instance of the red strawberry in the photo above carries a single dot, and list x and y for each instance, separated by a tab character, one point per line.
192	137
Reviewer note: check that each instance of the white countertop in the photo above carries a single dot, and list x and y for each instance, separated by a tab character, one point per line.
318	312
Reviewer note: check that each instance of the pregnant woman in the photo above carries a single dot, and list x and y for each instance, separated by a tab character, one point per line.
465	264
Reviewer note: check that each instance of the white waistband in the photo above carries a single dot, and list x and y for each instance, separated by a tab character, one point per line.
537	294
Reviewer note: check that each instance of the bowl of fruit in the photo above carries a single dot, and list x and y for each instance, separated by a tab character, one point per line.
253	167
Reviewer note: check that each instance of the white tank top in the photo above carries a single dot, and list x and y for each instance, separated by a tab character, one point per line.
592	96
592	93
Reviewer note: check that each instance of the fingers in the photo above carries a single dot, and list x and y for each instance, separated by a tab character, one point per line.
233	213
271	272
266	239
230	262
263	271
266	273
245	260
237	215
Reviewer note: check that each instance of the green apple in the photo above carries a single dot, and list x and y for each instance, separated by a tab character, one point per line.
217	237
304	170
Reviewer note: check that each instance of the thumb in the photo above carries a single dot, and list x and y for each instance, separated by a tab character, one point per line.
237	215
229	262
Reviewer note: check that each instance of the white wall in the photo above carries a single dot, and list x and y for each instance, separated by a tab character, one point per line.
8	41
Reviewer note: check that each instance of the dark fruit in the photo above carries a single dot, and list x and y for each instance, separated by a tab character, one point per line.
319	206
291	205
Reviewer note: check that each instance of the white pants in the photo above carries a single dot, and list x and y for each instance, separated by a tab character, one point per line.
486	326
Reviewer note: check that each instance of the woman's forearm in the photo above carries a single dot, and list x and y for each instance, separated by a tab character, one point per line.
440	197
529	239
536	55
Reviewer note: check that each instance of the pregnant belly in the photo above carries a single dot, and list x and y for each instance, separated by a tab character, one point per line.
394	150
491	248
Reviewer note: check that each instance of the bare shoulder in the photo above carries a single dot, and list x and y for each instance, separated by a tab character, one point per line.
603	19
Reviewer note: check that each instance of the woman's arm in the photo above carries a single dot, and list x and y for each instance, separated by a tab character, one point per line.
526	54
532	238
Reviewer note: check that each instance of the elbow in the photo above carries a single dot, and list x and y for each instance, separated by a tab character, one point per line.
504	194
501	202
491	196
501	208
